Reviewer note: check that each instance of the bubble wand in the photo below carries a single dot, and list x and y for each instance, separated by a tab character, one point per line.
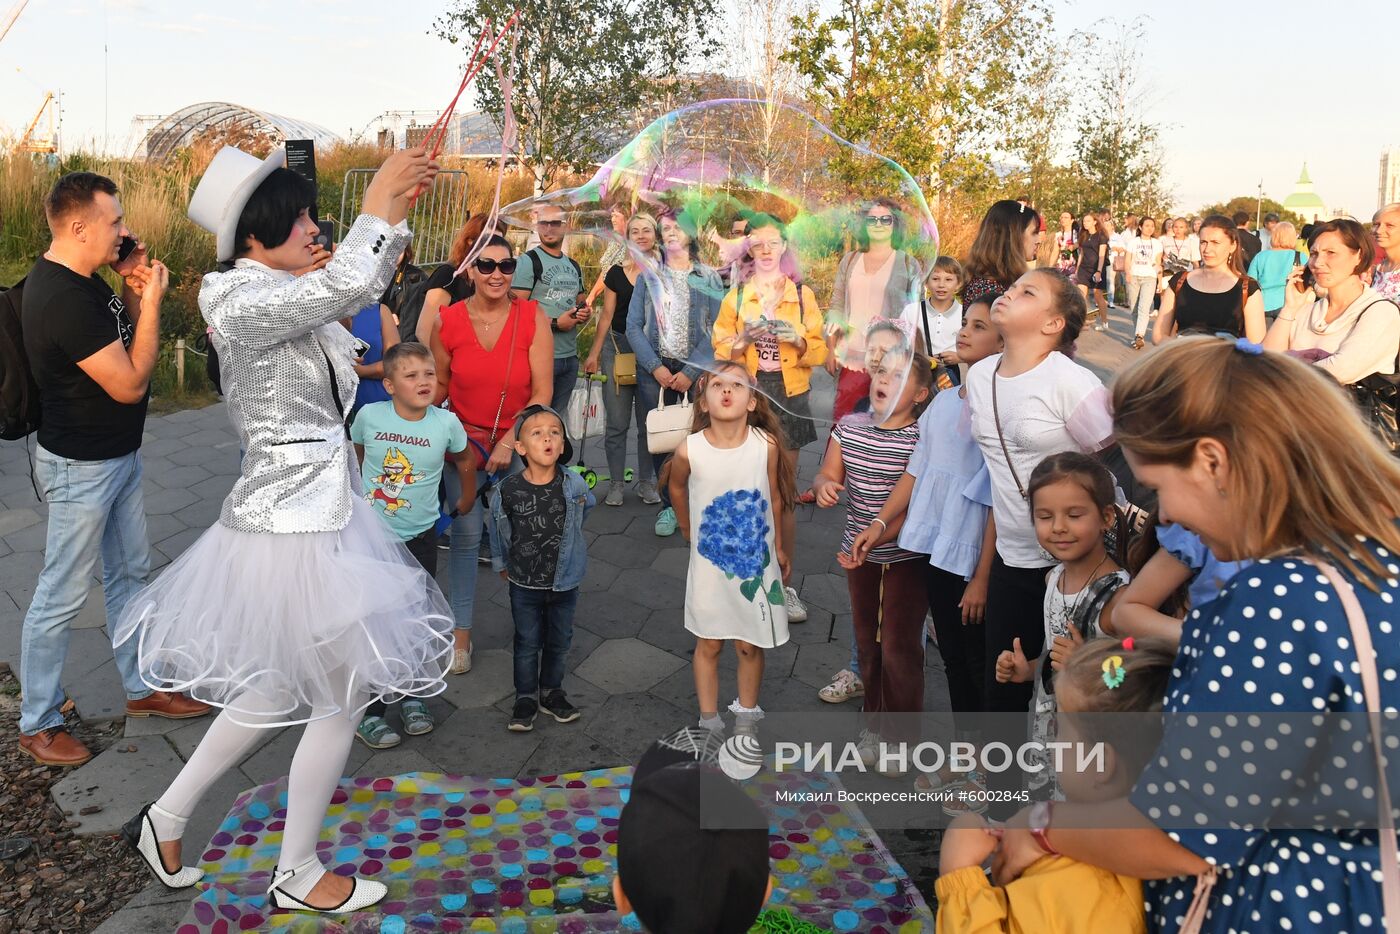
437	133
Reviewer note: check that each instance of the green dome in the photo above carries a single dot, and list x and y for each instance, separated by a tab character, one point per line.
1304	201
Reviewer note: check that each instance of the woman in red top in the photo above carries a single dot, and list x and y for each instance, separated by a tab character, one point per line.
495	356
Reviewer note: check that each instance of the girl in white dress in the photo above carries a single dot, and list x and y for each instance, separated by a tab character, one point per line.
729	470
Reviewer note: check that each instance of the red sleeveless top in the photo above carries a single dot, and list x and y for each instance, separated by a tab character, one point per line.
478	375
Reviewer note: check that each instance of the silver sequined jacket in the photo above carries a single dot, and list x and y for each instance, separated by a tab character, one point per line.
278	339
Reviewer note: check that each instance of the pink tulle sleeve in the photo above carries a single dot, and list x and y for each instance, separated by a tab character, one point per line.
1091	422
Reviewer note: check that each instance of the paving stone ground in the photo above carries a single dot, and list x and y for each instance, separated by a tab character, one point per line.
629	668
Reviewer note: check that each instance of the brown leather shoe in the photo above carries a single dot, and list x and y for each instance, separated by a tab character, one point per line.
54	746
170	705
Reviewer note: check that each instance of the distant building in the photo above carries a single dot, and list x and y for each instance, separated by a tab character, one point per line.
233	121
1390	177
1305	202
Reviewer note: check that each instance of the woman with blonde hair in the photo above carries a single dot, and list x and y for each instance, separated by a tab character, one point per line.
1385	278
1271	835
1271	266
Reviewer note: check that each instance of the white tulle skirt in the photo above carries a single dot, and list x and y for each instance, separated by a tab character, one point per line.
283	629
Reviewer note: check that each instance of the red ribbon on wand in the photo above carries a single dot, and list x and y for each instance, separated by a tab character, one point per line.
437	133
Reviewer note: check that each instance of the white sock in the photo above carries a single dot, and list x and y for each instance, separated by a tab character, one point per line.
755	712
167	826
713	722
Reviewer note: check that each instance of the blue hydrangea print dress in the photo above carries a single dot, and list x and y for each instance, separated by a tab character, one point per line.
734	588
1273	646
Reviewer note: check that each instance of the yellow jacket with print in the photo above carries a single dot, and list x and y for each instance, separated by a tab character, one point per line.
803	314
1056	895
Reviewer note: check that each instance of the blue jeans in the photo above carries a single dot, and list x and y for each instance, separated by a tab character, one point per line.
465	547
565	379
1141	291
621	403
95	508
544	629
648	395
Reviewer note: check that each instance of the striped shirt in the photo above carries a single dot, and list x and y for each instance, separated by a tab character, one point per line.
874	458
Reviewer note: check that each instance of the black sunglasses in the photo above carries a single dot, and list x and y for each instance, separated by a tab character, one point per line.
551	223
880	220
488	266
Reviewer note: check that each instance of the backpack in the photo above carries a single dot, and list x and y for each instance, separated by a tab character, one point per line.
410	310
19	394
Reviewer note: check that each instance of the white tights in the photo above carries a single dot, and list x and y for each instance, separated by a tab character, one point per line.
316	770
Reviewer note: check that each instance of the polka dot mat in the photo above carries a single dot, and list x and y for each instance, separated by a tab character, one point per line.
526	857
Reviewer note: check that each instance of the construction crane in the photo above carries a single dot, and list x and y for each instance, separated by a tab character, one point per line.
45	144
10	18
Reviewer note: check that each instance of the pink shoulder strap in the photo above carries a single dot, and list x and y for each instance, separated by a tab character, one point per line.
1370	685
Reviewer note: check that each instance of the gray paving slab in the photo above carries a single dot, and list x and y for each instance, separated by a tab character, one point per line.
630	723
20	569
624	666
147	919
169	502
651	590
610	614
31	537
619	550
99	695
119	782
491	678
476	742
399	760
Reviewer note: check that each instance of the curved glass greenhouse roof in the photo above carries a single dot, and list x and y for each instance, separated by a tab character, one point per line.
180	128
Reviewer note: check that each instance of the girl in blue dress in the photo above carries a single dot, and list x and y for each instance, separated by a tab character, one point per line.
1276	816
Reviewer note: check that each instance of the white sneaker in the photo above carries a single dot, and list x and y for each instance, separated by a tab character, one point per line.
868	747
796	609
843	687
614	497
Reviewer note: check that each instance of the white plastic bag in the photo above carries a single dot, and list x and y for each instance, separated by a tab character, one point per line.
585	418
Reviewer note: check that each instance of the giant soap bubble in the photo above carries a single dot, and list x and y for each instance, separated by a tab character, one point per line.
798	245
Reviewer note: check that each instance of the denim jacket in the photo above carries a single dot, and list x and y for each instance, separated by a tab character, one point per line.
706	293
573	550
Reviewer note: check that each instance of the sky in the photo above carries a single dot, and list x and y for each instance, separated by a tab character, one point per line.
1224	84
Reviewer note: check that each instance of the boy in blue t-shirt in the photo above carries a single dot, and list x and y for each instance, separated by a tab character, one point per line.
401	445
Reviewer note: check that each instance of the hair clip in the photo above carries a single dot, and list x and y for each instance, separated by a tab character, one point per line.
1128	644
1113	671
1245	345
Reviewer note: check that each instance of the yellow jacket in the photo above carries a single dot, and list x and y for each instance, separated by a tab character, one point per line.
1054	895
805	316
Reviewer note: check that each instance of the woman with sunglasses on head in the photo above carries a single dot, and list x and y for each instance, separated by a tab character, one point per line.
876	281
495	356
1007	243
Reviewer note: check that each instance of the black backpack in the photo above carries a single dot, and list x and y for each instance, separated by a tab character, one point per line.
19	394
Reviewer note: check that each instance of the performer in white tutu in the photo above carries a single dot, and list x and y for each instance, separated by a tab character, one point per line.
298	605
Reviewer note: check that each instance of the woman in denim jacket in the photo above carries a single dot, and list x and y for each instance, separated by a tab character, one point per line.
668	325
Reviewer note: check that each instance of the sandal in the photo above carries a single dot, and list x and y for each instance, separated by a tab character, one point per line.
416	718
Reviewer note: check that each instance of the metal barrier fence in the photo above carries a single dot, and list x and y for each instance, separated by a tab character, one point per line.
435	219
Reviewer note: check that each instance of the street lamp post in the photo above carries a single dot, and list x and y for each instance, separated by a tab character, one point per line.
1259	206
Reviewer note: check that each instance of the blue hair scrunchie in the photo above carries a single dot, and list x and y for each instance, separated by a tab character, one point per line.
1245	345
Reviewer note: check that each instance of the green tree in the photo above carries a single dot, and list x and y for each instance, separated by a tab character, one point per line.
1118	151
582	71
1254	207
933	84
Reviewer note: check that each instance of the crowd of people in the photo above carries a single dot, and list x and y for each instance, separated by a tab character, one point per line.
1074	549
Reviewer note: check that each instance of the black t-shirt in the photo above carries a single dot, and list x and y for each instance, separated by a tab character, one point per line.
444	277
1211	312
67	318
1089	257
1249	245
616	280
536	516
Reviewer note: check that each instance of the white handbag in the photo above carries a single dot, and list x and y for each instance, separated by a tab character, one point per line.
668	425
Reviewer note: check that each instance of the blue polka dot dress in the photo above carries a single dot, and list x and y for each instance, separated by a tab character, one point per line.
1276	644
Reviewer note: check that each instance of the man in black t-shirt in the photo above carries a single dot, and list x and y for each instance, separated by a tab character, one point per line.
1249	241
92	353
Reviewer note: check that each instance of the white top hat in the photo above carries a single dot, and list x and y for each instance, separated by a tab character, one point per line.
223	192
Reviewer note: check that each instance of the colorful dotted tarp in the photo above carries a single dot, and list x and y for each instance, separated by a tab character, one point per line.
528	857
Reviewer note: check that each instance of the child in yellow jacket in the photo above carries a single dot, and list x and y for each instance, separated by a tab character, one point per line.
1057	894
